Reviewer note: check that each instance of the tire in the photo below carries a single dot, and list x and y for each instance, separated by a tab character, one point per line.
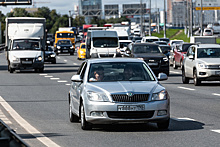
54	62
185	80
174	64
197	82
163	125
71	53
181	64
8	66
84	124
11	70
73	117
41	70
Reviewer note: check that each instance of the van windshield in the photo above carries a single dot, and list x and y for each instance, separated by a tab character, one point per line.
26	44
105	42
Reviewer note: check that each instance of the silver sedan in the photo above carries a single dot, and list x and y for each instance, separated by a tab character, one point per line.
118	90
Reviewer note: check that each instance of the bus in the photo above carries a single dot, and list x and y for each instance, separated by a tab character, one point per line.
64	35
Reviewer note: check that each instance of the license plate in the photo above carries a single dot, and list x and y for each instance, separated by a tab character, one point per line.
131	108
26	62
65	51
217	73
152	63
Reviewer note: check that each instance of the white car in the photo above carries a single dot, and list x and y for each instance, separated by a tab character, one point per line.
208	32
201	63
149	39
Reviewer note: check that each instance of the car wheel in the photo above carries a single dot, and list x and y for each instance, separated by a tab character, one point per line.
163	125
185	80
197	82
73	117
174	64
71	54
54	62
181	64
84	124
11	70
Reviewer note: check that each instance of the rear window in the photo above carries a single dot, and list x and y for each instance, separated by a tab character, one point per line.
146	49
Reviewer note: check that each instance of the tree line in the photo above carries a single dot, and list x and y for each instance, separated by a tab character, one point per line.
55	20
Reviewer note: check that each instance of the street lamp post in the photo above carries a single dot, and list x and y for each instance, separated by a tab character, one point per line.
164	27
150	20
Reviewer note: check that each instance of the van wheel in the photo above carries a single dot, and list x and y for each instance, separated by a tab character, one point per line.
84	124
197	82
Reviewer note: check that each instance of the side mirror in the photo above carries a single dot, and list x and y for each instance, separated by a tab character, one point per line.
76	78
191	57
162	77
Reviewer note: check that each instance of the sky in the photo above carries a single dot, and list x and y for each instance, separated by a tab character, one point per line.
63	6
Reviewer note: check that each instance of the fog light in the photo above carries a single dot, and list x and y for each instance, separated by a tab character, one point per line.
162	112
97	114
202	73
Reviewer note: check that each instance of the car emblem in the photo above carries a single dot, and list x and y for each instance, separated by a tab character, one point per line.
130	94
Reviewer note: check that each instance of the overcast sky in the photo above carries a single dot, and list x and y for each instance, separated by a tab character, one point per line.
63	6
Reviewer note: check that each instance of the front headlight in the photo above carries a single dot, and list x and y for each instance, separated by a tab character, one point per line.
159	96
141	59
81	52
165	59
39	58
71	47
118	50
58	47
203	66
93	96
15	59
53	55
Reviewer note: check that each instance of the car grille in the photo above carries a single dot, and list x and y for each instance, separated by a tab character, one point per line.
130	114
126	98
153	62
106	55
214	66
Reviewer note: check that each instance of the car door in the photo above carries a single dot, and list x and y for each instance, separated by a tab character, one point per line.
76	88
188	65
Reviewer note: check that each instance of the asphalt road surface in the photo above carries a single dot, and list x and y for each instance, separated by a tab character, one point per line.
35	105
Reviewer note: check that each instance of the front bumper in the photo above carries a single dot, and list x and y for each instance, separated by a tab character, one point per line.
111	115
34	65
208	74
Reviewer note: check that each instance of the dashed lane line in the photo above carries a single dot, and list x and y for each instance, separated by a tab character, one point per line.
4	118
43	74
217	131
175	72
68	84
62	81
28	127
184	119
75	64
65	60
48	76
58	57
54	78
216	94
186	88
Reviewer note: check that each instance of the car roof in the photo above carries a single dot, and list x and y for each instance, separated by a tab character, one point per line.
147	43
208	45
151	37
124	41
101	60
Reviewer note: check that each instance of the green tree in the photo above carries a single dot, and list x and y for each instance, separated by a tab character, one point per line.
18	12
78	21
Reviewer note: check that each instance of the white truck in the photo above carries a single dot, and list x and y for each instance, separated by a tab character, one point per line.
102	43
203	39
25	41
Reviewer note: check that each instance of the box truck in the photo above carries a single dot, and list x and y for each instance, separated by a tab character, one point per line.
25	43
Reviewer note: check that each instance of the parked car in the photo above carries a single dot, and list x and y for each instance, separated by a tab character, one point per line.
81	52
118	90
160	42
165	50
151	54
64	46
208	32
177	55
201	64
149	39
164	39
50	55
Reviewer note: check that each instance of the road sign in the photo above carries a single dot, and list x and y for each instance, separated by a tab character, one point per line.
208	4
208	8
15	2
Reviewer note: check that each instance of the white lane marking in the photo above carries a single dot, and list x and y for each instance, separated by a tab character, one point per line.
175	72
58	57
216	94
186	88
62	81
65	60
54	78
217	131
75	64
28	127
42	74
68	84
184	119
48	76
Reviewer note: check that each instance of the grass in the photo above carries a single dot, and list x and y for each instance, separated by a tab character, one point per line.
218	40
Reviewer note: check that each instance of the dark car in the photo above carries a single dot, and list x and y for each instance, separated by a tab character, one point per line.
160	42
164	39
50	55
151	54
165	49
64	46
136	38
178	54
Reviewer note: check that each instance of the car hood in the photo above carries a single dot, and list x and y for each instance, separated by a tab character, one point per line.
149	55
209	61
123	87
26	54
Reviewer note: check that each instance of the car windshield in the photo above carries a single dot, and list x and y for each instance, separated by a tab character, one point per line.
137	38
119	71
123	38
185	47
165	48
50	48
208	31
125	44
83	46
65	35
26	44
160	42
151	40
64	42
105	42
146	49
208	53
177	42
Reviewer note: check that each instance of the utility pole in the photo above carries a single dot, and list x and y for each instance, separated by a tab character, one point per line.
69	18
157	18
141	19
150	20
164	26
191	19
201	20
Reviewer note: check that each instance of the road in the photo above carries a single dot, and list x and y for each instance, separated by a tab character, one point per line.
35	105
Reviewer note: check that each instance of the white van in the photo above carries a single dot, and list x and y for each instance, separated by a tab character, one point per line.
149	39
102	43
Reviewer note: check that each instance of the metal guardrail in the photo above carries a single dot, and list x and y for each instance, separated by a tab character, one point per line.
8	137
2	47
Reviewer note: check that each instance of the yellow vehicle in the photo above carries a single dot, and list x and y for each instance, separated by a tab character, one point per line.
64	35
81	53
